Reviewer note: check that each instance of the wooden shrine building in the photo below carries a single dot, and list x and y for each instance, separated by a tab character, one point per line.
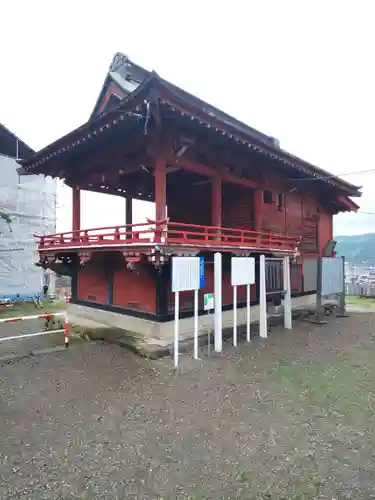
217	185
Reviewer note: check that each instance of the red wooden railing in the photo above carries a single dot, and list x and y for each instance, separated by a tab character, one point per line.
179	233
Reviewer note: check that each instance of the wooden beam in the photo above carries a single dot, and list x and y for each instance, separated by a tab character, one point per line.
208	171
133	193
197	168
228	177
223	157
128	210
128	213
76	222
258	208
160	187
216	201
109	177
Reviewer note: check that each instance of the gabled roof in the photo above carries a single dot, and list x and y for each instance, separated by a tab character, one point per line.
122	78
187	107
12	146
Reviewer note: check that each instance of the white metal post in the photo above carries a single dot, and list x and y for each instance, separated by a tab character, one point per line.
263	329
235	316
248	338
218	344
195	324
287	294
176	326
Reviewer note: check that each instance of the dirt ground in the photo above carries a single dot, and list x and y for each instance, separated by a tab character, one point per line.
289	417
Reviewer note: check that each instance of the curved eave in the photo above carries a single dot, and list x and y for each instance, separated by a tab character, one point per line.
348	204
13	146
92	128
241	133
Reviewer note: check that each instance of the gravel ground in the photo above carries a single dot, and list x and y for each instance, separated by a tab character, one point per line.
97	422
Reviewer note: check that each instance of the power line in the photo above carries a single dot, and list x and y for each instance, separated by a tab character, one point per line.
359	172
361	213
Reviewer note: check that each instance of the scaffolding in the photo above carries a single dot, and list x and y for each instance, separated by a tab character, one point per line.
27	207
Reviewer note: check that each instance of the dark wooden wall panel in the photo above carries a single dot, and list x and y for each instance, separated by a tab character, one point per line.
237	207
92	283
191	205
294	215
273	218
311	216
325	230
134	289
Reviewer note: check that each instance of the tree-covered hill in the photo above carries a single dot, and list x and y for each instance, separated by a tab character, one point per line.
357	248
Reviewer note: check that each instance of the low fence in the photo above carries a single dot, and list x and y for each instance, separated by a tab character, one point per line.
48	316
62	292
366	290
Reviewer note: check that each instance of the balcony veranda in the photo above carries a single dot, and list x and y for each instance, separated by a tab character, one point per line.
168	234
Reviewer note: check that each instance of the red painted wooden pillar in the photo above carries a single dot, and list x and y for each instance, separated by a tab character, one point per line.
216	201
76	223
128	215
258	207
160	189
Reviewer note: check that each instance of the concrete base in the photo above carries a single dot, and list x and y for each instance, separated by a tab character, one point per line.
161	334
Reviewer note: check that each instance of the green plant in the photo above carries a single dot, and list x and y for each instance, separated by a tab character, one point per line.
5	217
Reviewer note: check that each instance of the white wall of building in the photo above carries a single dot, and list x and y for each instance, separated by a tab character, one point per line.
30	202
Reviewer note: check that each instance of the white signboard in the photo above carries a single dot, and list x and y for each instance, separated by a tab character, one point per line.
185	274
243	271
209	301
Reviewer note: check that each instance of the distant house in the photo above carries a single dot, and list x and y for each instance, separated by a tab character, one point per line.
27	206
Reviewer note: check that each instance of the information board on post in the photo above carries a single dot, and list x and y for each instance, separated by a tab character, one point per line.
242	273
187	275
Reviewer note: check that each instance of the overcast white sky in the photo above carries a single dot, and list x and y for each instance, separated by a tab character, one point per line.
301	71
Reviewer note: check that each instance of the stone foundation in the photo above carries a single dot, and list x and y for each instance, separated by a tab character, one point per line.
161	334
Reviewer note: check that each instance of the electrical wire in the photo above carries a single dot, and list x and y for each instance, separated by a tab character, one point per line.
360	172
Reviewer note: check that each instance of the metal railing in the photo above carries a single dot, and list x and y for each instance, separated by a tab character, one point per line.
363	290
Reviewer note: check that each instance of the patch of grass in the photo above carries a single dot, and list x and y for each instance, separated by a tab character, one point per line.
79	333
30	308
353	300
343	388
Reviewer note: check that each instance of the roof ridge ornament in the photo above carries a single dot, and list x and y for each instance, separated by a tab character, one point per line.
119	61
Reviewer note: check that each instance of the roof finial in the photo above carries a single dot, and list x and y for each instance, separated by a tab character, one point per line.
119	60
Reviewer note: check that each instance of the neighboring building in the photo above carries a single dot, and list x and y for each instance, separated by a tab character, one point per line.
217	184
28	207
